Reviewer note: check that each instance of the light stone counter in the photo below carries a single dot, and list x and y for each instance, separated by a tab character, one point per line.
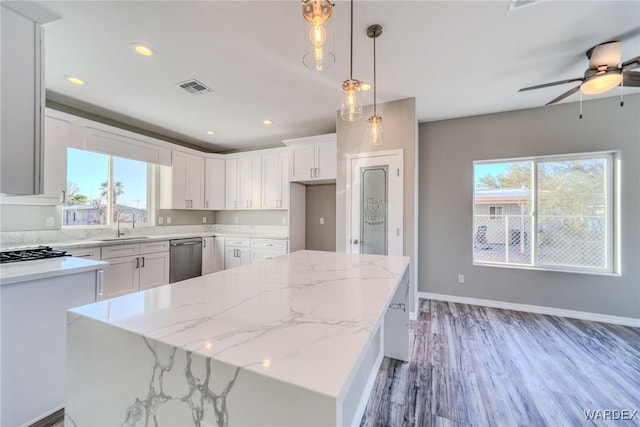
23	271
296	340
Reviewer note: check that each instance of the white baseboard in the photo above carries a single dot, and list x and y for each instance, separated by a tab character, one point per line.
574	314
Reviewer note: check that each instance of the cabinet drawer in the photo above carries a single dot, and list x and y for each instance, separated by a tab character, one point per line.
258	255
153	247
270	244
238	242
89	253
120	251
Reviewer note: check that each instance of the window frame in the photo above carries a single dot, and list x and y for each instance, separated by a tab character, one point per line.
151	199
612	178
498	212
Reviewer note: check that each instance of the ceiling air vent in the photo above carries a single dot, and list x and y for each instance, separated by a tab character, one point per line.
194	87
518	4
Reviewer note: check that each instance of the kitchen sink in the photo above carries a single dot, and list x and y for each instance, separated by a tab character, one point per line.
117	239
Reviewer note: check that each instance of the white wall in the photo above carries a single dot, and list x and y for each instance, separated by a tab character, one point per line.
447	151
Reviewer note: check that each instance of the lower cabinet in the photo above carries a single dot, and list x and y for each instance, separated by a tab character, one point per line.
135	267
245	250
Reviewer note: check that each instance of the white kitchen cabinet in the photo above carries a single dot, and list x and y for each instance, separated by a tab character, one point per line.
208	255
214	184
135	267
22	97
263	249
313	158
244	182
57	134
218	254
187	176
237	251
92	252
275	180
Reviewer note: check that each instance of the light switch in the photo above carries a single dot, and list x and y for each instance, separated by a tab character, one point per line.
160	220
321	221
168	220
50	221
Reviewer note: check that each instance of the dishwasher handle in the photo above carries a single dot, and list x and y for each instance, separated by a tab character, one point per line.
185	244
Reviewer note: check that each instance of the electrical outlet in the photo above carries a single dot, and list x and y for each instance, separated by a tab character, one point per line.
321	221
204	219
460	278
50	221
160	220
168	220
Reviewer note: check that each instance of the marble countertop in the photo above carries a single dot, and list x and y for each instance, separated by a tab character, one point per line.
303	318
40	269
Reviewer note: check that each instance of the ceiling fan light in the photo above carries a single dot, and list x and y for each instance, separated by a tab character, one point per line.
601	83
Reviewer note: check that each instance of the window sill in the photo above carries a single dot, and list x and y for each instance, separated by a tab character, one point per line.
554	270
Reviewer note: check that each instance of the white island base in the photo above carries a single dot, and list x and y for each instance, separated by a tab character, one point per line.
293	341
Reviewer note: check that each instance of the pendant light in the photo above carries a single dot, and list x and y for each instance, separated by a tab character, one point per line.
374	130
317	13
350	108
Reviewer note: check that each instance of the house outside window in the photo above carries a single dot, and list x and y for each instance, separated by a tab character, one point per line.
100	185
551	212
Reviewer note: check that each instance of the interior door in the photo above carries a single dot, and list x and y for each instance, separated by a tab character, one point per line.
375	207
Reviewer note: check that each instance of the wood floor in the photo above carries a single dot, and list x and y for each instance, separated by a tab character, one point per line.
478	366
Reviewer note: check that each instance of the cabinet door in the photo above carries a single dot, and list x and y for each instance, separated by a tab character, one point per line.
179	177
21	106
56	137
195	182
245	256
154	270
207	255
121	276
301	162
326	161
272	181
258	255
214	184
232	257
218	254
250	182
231	184
284	180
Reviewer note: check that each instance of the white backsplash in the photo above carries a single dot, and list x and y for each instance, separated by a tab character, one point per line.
10	239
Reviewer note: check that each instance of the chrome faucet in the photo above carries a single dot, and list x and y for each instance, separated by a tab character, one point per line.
133	219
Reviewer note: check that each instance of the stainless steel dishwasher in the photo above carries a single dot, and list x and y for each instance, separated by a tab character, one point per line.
186	259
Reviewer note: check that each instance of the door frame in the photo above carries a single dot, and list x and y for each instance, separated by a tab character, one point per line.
399	189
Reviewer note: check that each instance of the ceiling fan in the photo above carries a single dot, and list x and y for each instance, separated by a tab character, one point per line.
603	73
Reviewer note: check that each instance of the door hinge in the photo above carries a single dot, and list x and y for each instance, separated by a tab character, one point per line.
397	231
398	172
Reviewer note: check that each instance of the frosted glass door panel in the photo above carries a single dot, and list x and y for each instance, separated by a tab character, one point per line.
373	202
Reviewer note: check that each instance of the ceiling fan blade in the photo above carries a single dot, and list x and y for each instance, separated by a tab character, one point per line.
631	78
608	54
564	95
561	82
631	64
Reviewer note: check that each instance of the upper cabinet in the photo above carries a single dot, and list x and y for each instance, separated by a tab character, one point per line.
275	180
244	182
313	158
188	181
214	183
21	163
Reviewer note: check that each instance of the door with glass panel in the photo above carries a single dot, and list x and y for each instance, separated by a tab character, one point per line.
375	203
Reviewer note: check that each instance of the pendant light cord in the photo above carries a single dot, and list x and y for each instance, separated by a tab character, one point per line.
351	46
375	85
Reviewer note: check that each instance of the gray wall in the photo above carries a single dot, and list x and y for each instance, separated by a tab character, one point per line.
252	217
321	203
400	132
447	150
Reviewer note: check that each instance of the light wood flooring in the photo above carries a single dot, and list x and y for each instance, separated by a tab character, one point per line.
478	366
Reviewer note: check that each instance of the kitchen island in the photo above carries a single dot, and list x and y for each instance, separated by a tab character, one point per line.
296	340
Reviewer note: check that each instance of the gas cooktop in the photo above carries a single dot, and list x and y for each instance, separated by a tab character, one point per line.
41	252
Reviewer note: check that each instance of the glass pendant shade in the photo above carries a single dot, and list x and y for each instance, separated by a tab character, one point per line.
317	13
375	131
350	107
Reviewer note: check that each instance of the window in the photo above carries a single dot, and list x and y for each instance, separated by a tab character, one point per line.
100	185
552	212
495	212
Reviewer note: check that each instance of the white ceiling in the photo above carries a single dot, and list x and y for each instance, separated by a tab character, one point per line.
457	58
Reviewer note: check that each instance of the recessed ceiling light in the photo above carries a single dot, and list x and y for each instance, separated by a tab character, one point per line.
267	122
143	50
75	80
364	86
210	132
